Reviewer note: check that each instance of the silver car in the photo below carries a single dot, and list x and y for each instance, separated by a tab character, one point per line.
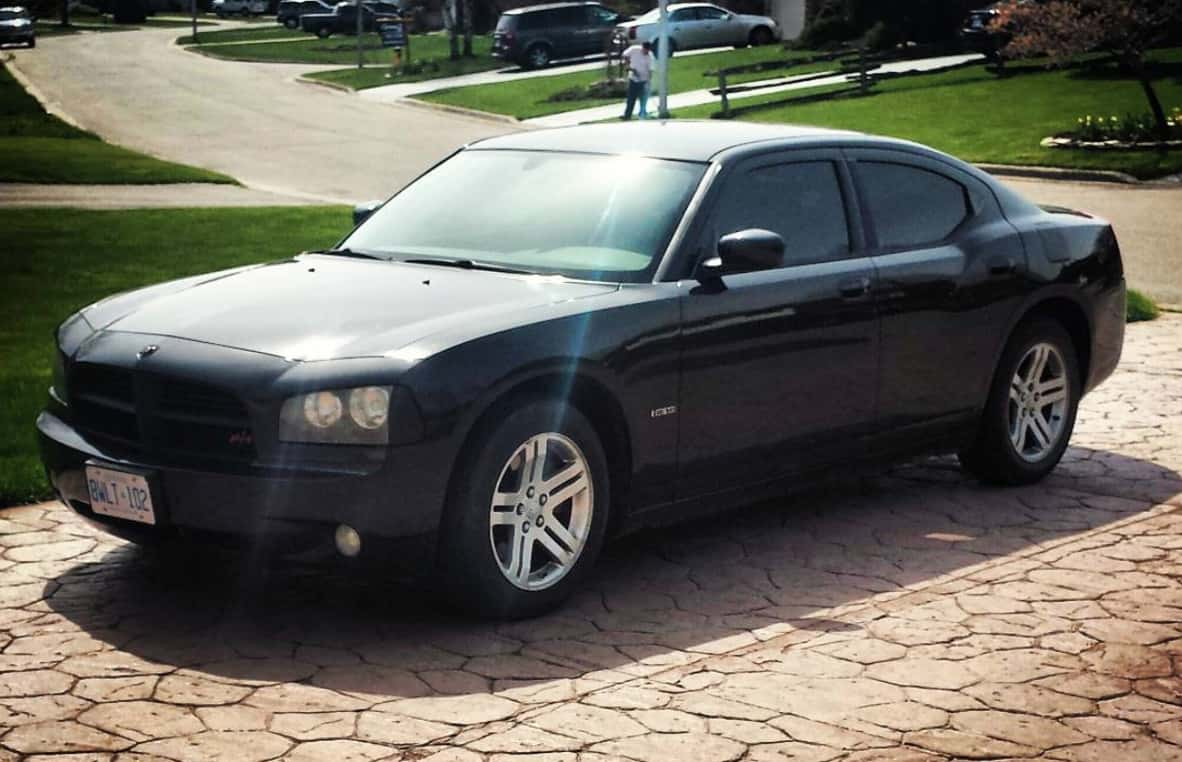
702	25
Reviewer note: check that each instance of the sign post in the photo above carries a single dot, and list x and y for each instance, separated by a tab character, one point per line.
663	59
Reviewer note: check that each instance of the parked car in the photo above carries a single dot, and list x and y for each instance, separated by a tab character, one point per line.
289	11
507	366
978	33
343	18
534	36
16	26
225	8
702	25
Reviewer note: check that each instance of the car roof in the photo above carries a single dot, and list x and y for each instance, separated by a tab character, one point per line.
683	140
12	7
546	7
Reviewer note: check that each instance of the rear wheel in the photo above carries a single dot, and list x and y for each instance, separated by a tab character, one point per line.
324	33
537	57
760	35
527	515
1031	410
291	23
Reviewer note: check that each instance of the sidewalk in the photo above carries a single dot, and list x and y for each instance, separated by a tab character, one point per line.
144	196
392	93
704	96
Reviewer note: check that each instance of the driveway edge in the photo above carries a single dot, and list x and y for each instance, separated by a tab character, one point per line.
1061	174
50	107
487	116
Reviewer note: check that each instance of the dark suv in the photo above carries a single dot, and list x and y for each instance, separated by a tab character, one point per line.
343	19
289	11
536	35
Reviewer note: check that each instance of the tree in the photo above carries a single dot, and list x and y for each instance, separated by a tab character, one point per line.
1063	29
469	13
450	24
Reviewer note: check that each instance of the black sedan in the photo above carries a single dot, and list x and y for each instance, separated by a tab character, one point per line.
558	335
16	26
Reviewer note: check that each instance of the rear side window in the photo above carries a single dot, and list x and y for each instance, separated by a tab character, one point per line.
576	15
802	202
505	23
682	14
711	14
528	22
911	207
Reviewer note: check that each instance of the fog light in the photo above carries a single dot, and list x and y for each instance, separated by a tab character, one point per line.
348	541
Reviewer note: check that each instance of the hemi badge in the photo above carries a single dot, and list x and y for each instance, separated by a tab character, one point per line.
663	411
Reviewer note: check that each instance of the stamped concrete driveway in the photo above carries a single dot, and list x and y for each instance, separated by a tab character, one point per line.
252	121
916	617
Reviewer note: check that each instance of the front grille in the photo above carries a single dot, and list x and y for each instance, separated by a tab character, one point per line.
170	418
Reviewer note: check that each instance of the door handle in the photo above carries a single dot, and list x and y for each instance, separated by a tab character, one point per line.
854	288
1002	266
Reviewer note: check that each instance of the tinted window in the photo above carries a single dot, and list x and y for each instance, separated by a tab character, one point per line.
602	15
574	16
682	14
911	207
527	22
711	14
802	202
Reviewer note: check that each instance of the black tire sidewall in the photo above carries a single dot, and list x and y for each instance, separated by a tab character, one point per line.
1009	467
468	566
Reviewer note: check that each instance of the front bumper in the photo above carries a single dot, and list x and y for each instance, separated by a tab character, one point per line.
404	498
12	37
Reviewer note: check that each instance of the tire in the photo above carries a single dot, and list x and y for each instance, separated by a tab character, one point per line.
33	42
537	57
760	35
324	33
672	47
482	544
291	23
1025	428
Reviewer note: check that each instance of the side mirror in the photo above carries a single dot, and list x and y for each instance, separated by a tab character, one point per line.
361	212
745	251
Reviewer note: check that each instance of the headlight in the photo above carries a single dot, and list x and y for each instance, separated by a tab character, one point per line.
320	417
58	389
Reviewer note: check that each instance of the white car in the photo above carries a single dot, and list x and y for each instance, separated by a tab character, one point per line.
225	8
702	25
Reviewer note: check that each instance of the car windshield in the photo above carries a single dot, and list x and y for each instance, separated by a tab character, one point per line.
12	15
585	216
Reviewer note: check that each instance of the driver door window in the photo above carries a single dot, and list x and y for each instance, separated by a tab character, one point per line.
802	202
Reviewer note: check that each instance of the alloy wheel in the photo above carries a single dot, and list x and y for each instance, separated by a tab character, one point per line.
540	516
1039	402
539	57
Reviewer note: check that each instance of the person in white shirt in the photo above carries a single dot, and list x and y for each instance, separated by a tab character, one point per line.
639	59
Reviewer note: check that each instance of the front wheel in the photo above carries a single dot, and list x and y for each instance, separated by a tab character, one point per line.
324	33
527	516
760	36
1030	413
291	23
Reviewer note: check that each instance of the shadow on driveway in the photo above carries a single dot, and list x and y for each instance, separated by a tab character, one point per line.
658	599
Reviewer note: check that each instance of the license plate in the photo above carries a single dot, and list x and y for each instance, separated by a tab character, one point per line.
120	494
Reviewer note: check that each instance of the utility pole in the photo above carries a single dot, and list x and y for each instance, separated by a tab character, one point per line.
663	59
360	26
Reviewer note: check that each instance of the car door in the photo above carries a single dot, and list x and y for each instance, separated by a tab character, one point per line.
600	24
681	29
568	31
714	27
950	271
779	366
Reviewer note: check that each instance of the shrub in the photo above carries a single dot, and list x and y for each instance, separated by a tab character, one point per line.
1140	307
1131	128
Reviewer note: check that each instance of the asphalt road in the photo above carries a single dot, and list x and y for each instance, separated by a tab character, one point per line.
256	123
251	121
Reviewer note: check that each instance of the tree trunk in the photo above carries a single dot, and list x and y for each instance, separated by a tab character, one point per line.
1137	64
449	23
469	15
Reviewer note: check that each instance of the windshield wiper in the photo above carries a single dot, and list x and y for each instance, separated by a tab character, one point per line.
465	264
346	252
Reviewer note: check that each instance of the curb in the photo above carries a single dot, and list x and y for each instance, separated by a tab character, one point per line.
303	79
1061	174
49	106
486	116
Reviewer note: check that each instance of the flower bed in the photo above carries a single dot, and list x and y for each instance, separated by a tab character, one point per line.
1116	133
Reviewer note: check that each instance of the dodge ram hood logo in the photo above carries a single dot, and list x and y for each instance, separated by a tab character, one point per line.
148	350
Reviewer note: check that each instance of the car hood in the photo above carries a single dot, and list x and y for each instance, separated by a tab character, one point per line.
324	307
16	22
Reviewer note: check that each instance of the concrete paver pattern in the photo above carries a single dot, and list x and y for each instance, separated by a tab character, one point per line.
918	617
252	121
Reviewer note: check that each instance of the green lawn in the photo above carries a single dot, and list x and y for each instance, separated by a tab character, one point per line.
342	50
259	33
36	147
529	98
973	115
69	258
